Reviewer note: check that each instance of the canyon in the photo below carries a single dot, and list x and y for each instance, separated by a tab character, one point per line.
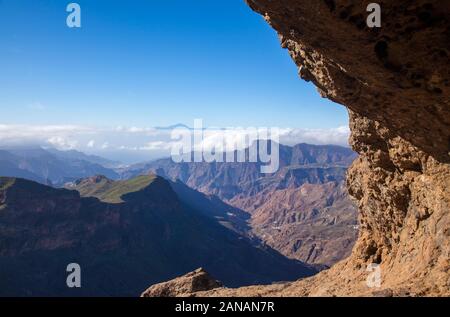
303	210
395	82
243	226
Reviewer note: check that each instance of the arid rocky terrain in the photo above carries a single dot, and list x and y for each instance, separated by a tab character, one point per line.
395	82
303	210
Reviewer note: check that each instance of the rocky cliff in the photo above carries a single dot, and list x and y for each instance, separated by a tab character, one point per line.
395	82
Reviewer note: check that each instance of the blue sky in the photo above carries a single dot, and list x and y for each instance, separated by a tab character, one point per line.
151	63
134	65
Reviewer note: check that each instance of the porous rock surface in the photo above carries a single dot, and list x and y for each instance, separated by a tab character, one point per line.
395	82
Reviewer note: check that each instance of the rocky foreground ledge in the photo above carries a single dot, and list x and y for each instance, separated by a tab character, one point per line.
200	283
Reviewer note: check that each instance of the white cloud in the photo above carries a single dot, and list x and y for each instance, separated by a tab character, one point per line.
137	130
39	133
156	145
128	148
91	144
62	143
149	140
338	136
217	139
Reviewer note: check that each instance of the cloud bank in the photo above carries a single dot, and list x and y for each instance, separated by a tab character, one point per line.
137	143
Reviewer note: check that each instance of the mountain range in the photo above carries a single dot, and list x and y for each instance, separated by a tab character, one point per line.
51	166
303	210
124	235
129	227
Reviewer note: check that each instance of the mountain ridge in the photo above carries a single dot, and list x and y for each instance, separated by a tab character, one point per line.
149	237
51	166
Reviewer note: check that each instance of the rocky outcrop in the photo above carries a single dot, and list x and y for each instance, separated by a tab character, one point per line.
196	281
395	81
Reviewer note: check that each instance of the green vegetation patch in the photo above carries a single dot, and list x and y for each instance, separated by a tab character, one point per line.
114	193
6	182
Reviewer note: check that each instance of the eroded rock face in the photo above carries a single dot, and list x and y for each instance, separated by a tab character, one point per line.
395	81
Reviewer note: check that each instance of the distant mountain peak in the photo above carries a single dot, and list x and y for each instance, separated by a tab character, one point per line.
174	126
51	166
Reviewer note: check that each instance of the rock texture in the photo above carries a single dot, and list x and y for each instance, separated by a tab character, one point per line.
314	223
395	81
196	281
